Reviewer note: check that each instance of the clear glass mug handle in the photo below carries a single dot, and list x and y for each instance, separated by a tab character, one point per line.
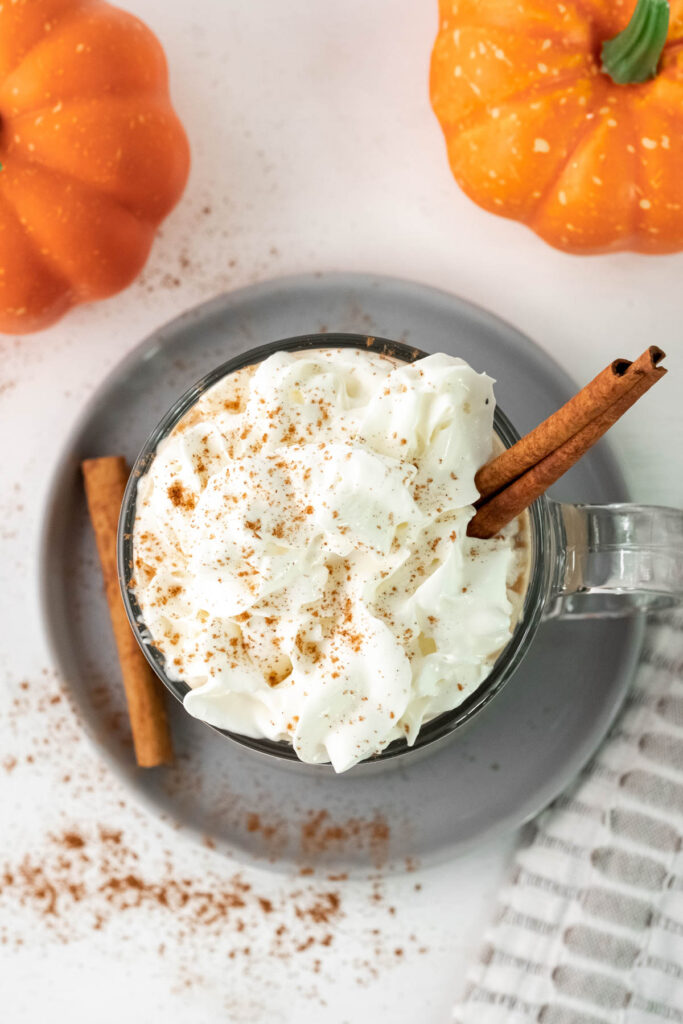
613	560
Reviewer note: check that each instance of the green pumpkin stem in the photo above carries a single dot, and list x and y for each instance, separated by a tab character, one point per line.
633	55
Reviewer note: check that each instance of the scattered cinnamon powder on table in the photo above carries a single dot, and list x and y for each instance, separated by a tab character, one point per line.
124	877
83	880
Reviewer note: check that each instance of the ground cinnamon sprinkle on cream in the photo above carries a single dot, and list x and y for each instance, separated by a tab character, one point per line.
180	497
317	535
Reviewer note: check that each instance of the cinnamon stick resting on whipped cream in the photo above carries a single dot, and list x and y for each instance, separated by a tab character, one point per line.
509	483
105	481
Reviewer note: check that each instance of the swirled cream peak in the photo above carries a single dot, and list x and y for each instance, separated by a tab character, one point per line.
301	557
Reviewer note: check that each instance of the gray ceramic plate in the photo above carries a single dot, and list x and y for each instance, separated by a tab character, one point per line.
503	767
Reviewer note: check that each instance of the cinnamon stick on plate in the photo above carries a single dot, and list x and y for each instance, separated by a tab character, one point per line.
105	482
515	478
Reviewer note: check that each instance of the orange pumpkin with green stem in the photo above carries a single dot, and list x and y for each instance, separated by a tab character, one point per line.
567	115
93	156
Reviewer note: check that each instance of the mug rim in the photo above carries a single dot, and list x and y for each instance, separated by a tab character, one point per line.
438	728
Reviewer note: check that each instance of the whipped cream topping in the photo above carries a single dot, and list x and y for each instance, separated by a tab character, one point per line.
301	556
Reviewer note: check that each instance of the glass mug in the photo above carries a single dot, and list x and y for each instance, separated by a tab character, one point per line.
585	560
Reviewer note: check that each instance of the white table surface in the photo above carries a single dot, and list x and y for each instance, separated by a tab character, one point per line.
314	147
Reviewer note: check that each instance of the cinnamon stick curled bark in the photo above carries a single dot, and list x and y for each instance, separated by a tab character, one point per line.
550	450
105	481
610	385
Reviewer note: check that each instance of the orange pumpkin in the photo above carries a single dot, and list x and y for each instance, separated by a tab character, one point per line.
567	115
93	156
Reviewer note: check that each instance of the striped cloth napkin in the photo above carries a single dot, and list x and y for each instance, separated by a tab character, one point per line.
590	928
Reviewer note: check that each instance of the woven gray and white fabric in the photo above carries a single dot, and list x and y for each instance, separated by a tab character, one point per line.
590	928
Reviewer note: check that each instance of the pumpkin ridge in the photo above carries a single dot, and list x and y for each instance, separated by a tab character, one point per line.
156	104
638	219
587	12
635	220
582	134
93	12
593	16
47	258
486	17
151	92
50	264
537	32
527	94
85	186
65	16
55	272
625	239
